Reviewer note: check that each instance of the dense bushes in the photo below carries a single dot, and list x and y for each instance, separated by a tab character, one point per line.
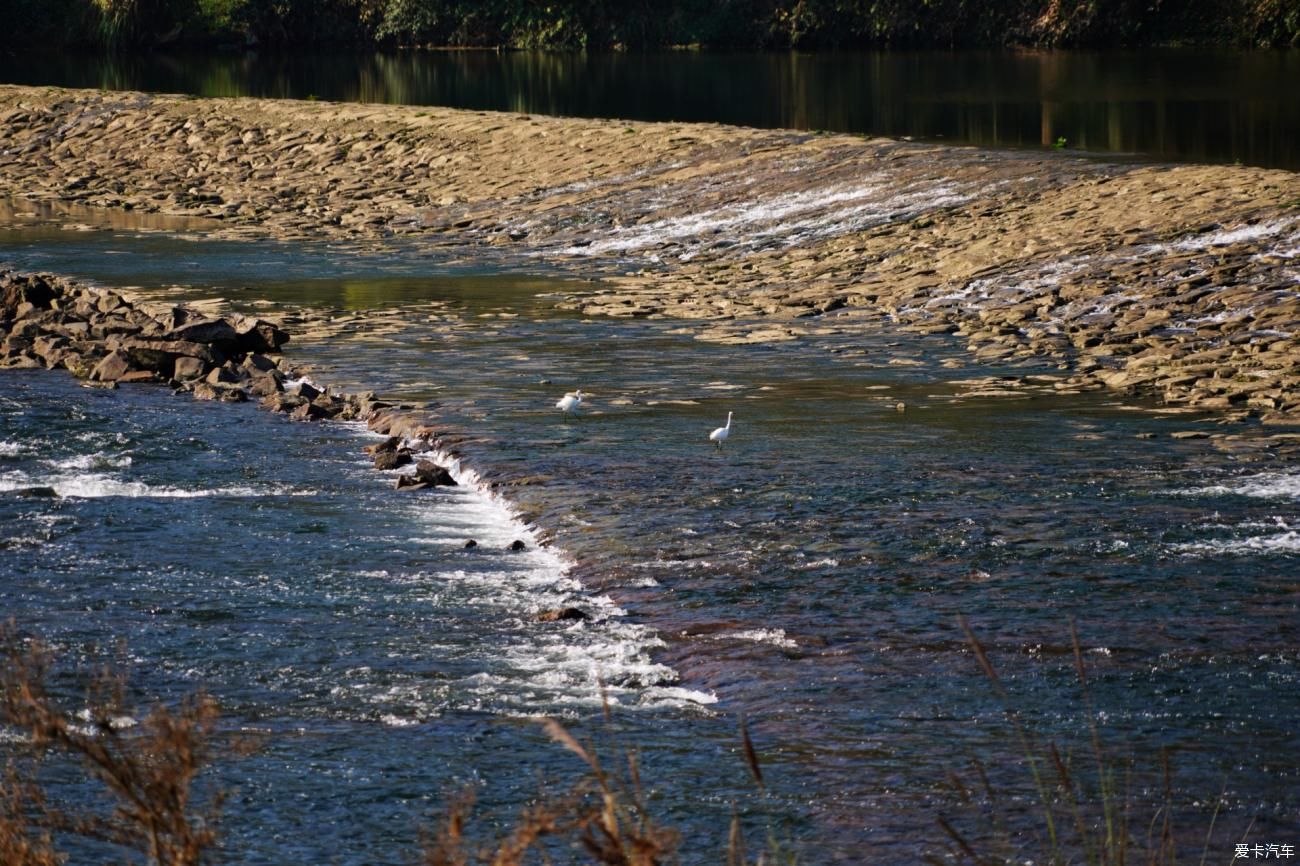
598	24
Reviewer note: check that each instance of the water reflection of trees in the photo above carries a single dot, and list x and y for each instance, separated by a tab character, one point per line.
1198	105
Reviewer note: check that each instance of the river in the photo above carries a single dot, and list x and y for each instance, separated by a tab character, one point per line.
810	575
1171	104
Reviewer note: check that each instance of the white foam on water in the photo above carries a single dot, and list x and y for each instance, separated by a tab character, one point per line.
98	460
787	218
580	663
824	562
11	449
1227	237
1265	485
94	485
772	636
1279	543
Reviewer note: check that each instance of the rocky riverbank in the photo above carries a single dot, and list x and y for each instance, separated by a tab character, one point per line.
105	339
1179	281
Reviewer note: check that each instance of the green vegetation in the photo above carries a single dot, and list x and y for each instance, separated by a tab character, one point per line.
603	24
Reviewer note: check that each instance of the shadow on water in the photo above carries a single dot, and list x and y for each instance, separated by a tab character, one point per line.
1171	104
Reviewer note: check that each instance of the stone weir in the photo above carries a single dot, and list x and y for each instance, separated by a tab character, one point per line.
106	340
1176	281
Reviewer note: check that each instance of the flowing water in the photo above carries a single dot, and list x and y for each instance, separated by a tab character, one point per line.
809	575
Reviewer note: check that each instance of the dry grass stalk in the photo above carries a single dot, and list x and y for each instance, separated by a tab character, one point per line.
1100	814
604	816
149	768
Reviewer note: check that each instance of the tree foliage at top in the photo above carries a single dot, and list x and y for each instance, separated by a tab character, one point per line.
637	24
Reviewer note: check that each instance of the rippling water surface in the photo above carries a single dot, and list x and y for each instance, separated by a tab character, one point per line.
809	575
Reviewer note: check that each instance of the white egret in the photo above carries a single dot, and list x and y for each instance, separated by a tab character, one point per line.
720	435
570	402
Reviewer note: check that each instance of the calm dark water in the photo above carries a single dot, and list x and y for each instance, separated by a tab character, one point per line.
1197	105
809	575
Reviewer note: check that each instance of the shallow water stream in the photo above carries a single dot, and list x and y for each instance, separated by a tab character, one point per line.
810	575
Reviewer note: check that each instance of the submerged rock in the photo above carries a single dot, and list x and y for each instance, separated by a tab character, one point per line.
563	614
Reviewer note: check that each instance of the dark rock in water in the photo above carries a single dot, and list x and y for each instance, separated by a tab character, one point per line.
206	331
431	473
260	363
264	386
307	412
409	482
392	443
386	460
330	407
184	369
306	390
281	403
562	614
35	493
150	358
114	366
225	374
471	544
256	335
518	545
222	392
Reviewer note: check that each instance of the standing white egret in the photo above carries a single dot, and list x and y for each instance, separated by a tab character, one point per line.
570	402
720	435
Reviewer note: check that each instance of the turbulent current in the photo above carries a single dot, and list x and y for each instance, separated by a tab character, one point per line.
810	575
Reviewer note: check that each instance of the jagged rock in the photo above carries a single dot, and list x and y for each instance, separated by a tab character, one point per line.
19	290
114	366
206	331
408	482
307	412
260	364
211	356
428	472
392	443
330	407
305	390
257	335
281	403
224	375
185	369
222	392
264	385
23	362
150	358
388	460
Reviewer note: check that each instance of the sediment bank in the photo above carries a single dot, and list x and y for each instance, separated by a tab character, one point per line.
1179	281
